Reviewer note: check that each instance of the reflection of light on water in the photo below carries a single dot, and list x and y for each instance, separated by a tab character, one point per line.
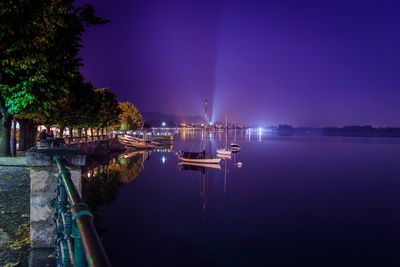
259	133
184	134
248	133
163	159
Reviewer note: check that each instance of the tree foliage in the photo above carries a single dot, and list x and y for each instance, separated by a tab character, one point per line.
107	107
39	46
130	117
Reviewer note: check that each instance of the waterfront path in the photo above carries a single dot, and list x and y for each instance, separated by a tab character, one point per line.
14	212
14	216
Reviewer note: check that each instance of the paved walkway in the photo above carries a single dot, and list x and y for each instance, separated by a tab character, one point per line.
13	161
14	212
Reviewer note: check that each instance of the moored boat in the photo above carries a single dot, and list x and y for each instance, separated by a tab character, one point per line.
201	165
235	147
225	150
131	141
197	157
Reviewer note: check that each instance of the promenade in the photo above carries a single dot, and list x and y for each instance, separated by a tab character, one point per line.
14	212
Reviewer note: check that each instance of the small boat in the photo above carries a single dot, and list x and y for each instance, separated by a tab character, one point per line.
235	147
131	141
188	165
197	157
225	150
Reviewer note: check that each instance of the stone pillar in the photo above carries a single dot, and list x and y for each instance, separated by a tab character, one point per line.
44	176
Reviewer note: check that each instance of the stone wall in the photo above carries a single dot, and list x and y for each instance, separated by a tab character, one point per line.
44	178
100	147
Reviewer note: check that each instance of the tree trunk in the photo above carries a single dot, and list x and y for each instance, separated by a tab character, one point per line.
5	125
86	134
13	138
22	142
33	134
71	132
98	131
91	133
61	133
30	134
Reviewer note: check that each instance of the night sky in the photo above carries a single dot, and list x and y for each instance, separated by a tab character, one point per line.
305	63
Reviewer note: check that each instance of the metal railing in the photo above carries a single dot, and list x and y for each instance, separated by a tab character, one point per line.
86	139
77	242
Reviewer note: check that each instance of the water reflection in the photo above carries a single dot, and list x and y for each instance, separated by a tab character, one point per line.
206	180
208	177
100	186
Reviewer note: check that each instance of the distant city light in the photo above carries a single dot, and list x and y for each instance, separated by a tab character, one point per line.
163	124
163	160
260	130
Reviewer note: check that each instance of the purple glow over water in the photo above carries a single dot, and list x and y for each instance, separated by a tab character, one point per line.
297	201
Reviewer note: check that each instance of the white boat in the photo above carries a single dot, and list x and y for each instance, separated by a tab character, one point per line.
203	165
235	147
197	157
131	141
226	150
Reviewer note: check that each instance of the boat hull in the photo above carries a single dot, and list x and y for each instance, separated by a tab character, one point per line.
130	141
203	165
205	161
224	151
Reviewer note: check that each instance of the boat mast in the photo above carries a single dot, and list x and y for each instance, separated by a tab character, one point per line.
226	131
235	134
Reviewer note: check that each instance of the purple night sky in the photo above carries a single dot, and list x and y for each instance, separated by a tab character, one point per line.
305	63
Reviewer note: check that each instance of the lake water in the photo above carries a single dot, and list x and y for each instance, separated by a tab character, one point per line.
296	201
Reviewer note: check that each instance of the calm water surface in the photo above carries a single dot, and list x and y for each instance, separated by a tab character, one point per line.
297	201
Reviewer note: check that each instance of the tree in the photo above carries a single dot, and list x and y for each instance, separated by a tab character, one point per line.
107	108
39	46
130	117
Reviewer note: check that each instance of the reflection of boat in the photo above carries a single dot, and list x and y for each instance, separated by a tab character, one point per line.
195	166
197	157
131	141
224	156
132	153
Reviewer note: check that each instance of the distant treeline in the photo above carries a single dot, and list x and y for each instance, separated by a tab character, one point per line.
339	131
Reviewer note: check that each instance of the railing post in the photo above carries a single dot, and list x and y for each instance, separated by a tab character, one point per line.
79	256
44	183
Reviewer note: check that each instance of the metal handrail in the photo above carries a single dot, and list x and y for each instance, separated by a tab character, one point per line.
86	139
77	242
